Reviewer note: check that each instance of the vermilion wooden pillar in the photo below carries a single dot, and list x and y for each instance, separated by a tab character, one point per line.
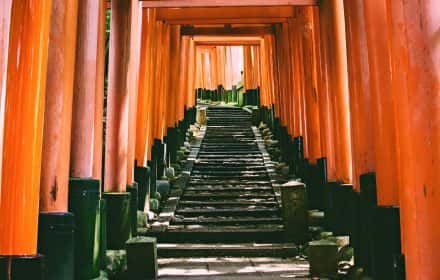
133	85
415	51
55	242
286	72
256	64
152	94
229	68
325	92
183	76
157	81
191	79
164	84
247	71
383	101
273	77
85	86
144	89
362	128
214	68
174	81
23	131
221	63
99	94
335	41
58	109
298	78
115	178
5	19
311	97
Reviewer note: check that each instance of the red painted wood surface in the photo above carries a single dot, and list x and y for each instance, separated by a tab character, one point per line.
383	101
58	109
362	127
118	98
5	20
133	85
99	94
23	131
85	85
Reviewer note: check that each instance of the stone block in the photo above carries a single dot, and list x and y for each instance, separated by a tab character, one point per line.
142	258
323	258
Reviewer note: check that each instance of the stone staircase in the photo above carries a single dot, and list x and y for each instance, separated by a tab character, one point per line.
228	207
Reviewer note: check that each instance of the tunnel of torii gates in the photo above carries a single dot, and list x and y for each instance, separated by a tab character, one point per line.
355	82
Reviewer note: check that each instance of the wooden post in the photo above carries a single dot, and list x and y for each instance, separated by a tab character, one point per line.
5	20
325	93
85	156
183	74
311	98
144	89
58	110
332	21
362	128
133	86
115	178
383	101
99	94
191	78
85	85
23	131
416	79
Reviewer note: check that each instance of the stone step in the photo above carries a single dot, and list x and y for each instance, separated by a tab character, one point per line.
226	194
229	182
174	250
237	177
205	163
229	157
227	188
229	203
227	168
216	211
222	233
226	220
219	172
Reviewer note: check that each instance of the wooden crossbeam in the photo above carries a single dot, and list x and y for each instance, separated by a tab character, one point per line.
226	43
227	20
229	31
227	40
226	15
224	3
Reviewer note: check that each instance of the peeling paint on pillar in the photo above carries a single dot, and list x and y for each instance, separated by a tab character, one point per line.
58	110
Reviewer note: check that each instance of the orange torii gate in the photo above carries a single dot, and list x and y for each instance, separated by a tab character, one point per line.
355	82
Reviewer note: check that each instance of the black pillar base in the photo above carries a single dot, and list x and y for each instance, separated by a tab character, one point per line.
84	204
102	232
118	219
386	243
23	267
152	164
56	243
142	177
133	190
368	202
